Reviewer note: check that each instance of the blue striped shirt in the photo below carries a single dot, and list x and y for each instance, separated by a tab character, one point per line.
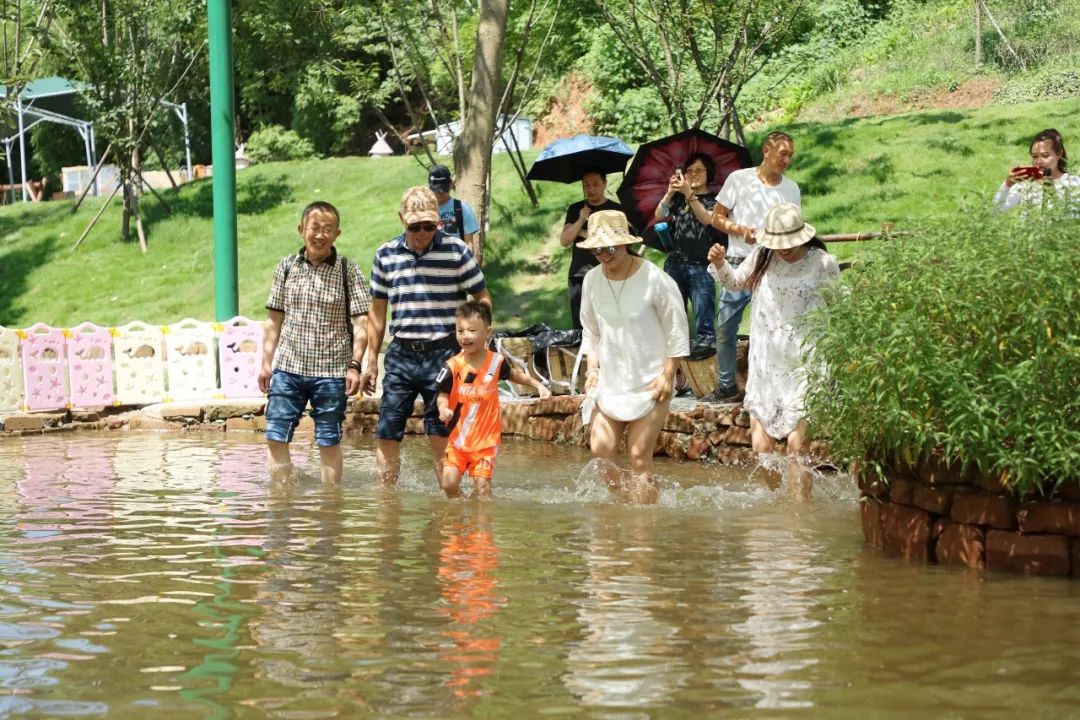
424	291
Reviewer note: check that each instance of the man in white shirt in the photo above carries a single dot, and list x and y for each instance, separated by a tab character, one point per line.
745	198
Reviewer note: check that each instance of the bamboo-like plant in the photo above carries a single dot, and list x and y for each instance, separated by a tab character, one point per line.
961	341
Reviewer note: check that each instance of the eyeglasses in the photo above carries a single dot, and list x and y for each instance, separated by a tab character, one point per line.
422	227
610	250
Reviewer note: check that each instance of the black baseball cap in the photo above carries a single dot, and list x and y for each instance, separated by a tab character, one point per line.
438	178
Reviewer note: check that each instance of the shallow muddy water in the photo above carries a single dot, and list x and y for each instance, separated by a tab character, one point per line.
146	576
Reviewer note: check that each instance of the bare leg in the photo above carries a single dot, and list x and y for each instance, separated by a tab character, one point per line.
800	479
438	451
387	461
330	459
604	439
764	444
481	488
641	443
278	460
451	481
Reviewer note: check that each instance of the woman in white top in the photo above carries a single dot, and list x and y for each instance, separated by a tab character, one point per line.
785	272
1025	185
634	330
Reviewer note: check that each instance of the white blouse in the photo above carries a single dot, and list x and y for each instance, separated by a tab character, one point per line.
1030	194
634	325
776	381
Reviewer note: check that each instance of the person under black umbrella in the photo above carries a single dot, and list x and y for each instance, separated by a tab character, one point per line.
593	186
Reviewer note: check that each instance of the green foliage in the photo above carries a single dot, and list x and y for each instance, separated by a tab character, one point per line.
963	341
634	115
274	143
55	147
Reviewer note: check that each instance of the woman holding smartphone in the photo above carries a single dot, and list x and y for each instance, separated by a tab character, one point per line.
1025	184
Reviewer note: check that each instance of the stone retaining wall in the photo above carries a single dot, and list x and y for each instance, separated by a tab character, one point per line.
693	431
933	513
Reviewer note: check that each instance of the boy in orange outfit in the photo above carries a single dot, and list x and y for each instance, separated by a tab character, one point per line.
469	401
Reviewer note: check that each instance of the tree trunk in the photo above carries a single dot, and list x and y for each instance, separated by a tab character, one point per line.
978	35
472	149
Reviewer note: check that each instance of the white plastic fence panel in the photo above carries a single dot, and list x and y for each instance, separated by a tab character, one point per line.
190	360
90	372
11	376
240	354
44	371
140	371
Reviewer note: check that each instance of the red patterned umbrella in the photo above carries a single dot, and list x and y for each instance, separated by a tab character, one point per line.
646	181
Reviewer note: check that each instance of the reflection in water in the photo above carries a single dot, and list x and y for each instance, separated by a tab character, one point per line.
146	576
627	657
468	560
779	593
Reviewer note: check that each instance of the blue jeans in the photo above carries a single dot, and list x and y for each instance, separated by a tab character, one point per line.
728	318
697	287
410	373
289	395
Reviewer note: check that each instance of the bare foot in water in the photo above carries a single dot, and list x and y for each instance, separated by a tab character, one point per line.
800	481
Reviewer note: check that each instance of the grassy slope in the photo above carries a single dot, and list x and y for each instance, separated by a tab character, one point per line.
855	174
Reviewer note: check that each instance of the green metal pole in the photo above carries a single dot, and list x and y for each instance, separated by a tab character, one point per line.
219	20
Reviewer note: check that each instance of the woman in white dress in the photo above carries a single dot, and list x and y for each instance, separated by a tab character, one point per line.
785	273
634	330
1026	185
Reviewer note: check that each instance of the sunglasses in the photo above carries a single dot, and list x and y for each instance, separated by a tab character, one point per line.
422	227
610	250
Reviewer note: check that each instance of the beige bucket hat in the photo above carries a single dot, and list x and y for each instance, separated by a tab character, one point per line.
785	229
608	228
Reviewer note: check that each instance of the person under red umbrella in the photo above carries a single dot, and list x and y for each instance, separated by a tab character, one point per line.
687	208
594	187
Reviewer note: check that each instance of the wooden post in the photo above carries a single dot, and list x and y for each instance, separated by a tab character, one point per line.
978	34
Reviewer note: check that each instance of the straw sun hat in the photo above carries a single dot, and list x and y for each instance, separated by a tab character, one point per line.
784	228
608	228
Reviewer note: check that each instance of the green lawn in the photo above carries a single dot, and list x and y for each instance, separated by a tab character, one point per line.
855	175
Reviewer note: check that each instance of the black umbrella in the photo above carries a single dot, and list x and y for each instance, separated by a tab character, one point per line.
568	159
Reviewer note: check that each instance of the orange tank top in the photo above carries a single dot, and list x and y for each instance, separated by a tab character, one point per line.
475	403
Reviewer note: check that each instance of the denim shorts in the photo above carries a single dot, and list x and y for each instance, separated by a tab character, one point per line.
410	373
290	394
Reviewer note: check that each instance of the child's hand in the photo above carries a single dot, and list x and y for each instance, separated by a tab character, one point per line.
543	390
445	414
716	255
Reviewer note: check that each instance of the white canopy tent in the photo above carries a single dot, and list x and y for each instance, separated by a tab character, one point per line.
52	99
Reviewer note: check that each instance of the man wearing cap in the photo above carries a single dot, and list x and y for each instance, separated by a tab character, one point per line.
455	216
422	276
745	198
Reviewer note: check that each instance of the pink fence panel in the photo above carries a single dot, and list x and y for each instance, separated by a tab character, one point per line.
240	354
190	360
11	375
90	371
140	370
44	371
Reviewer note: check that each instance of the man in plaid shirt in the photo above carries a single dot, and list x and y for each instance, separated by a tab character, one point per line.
314	342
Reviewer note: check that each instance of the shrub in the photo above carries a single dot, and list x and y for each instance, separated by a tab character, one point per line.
962	341
273	143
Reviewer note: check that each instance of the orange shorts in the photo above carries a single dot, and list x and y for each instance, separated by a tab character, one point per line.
478	464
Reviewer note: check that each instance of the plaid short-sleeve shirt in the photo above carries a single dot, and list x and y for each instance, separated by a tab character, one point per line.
315	334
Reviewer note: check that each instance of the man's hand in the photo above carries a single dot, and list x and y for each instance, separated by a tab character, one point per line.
750	235
543	390
583	216
352	382
368	378
445	413
264	378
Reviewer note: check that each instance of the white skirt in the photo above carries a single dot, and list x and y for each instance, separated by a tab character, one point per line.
624	407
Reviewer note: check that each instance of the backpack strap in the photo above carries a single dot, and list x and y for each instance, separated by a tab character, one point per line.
459	215
348	317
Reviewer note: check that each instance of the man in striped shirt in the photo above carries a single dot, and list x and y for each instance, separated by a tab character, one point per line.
422	276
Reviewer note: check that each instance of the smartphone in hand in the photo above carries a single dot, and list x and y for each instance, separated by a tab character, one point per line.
1032	172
